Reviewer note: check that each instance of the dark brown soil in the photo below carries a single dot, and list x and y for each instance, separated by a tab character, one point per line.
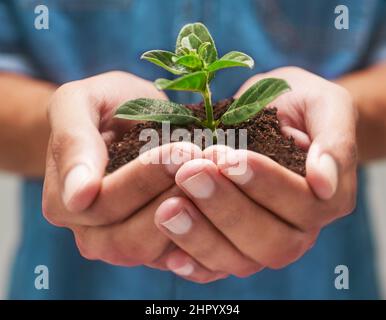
263	136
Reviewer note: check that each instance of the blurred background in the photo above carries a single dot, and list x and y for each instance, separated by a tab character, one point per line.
9	221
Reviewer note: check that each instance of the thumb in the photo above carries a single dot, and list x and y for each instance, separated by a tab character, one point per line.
77	147
322	172
332	154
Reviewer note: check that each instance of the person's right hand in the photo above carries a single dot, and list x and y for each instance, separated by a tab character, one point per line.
251	212
111	216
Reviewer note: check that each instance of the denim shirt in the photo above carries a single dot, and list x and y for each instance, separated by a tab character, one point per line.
93	36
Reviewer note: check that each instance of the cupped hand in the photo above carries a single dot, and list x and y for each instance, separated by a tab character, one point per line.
239	222
111	216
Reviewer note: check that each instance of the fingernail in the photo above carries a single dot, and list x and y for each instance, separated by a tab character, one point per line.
329	168
74	181
239	175
200	186
185	270
179	224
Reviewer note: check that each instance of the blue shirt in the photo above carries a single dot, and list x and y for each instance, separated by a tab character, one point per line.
89	37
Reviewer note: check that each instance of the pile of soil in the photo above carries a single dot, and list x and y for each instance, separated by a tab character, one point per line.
263	136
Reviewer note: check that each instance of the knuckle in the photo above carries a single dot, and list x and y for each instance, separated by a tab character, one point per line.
53	219
290	251
118	73
343	205
280	262
122	75
149	256
343	93
86	253
50	213
205	253
351	205
65	88
132	251
205	279
348	205
311	221
311	239
59	92
247	272
69	88
293	69
229	219
84	248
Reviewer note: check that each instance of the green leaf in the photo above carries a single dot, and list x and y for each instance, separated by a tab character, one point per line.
190	61
265	89
156	110
203	50
164	59
191	42
193	32
182	52
254	100
195	81
232	59
241	114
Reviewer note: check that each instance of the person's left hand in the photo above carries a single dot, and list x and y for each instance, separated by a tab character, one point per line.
267	216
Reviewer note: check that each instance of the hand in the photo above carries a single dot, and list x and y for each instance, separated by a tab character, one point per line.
95	207
267	216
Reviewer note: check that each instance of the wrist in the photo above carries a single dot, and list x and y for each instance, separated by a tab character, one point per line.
24	126
367	89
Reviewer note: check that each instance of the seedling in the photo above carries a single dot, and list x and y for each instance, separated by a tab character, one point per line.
195	61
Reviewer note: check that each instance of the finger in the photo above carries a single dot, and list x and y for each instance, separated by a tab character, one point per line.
301	138
135	241
189	229
137	183
272	186
80	114
256	232
76	146
185	266
329	120
161	262
126	190
332	155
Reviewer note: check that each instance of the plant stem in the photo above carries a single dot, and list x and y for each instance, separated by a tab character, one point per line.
209	108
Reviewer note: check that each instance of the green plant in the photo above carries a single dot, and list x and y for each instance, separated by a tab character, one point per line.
195	60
